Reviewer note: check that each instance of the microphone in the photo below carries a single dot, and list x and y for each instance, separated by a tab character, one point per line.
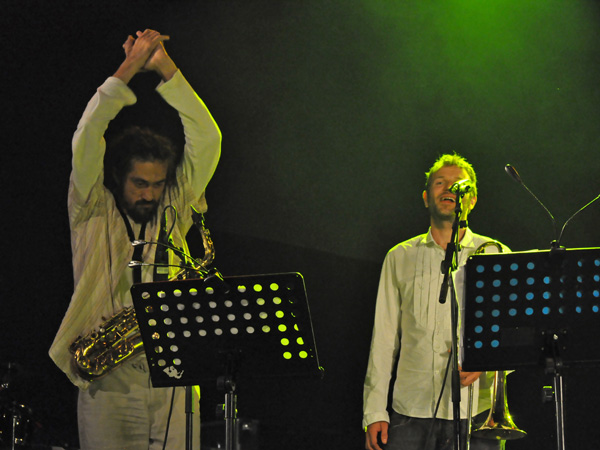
515	176
135	263
461	187
513	173
556	243
569	219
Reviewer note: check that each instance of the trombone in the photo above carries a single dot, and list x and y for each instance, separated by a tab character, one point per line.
499	424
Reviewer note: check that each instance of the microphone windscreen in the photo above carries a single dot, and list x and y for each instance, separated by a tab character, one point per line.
513	173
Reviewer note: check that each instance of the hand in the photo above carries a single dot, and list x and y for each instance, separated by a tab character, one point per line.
373	430
141	48
143	53
468	378
159	61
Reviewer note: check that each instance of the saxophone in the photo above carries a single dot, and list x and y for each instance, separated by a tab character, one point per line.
117	339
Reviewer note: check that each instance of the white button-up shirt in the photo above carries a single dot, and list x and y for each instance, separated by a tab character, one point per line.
411	321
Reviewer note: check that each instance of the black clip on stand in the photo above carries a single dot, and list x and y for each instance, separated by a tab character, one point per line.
530	309
215	330
450	265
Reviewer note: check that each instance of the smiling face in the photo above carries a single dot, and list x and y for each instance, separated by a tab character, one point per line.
438	199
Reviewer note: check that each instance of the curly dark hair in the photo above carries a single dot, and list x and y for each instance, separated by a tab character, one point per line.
137	144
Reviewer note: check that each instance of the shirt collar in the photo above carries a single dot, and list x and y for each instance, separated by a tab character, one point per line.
468	240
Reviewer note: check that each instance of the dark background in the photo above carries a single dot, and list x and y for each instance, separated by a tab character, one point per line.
331	111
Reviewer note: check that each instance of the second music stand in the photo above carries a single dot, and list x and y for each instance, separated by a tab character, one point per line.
530	309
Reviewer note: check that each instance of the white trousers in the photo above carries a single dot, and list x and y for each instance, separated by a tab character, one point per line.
122	411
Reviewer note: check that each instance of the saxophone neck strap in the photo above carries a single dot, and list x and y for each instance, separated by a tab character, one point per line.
138	251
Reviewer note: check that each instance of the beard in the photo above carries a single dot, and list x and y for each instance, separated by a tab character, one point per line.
439	216
142	211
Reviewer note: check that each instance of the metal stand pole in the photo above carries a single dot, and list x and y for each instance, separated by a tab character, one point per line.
189	414
560	418
554	365
227	384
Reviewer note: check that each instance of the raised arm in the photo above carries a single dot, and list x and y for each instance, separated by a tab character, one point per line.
202	135
144	53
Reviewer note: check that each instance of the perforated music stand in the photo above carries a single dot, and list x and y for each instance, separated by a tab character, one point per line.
197	331
533	308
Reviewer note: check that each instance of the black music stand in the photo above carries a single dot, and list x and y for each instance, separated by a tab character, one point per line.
216	330
533	308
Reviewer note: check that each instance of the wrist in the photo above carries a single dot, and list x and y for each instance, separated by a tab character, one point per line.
126	71
166	69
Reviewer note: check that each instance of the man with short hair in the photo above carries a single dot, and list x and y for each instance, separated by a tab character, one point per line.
413	326
108	209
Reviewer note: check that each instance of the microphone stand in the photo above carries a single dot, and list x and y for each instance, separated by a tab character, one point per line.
449	265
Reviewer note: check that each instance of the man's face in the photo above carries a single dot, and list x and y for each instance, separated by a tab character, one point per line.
143	188
440	201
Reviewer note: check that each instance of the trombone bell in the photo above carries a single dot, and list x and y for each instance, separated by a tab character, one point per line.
499	424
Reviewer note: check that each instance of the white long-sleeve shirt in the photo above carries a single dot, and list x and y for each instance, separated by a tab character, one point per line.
410	320
100	244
